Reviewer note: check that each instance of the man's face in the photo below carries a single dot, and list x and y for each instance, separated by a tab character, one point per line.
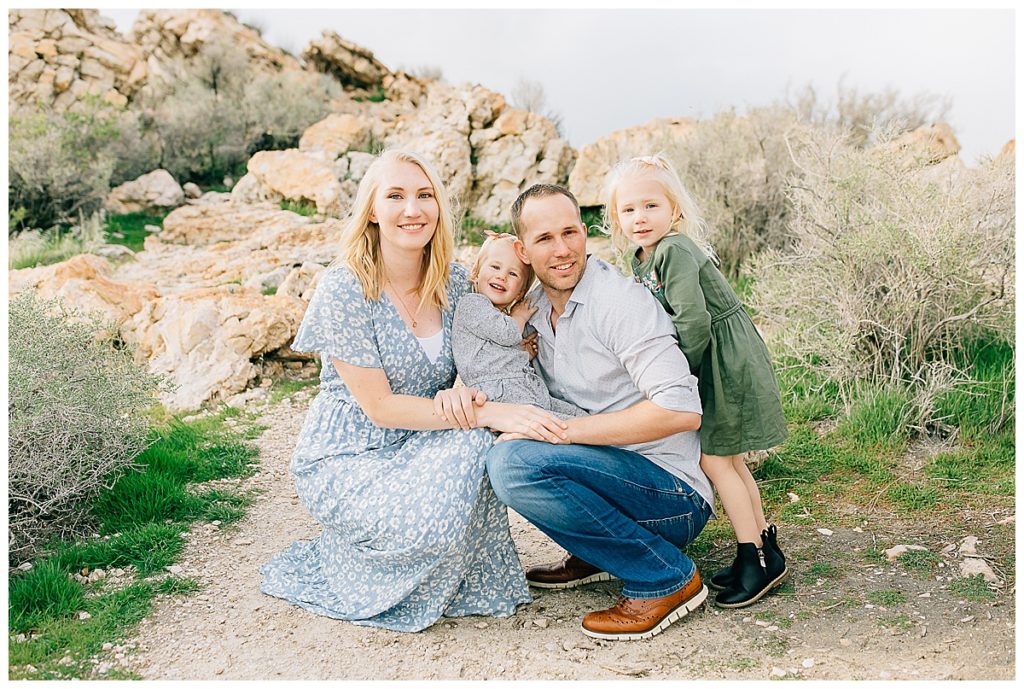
553	241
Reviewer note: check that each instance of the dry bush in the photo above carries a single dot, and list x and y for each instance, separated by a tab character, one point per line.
77	414
58	163
35	247
896	266
222	109
737	168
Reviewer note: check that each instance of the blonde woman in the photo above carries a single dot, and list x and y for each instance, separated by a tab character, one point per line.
411	528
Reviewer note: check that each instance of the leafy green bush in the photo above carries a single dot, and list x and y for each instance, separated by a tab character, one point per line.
897	267
77	414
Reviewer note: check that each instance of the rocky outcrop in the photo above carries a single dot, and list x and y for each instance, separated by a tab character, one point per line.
205	340
59	57
169	38
293	175
86	282
930	144
597	159
336	135
353	66
153	192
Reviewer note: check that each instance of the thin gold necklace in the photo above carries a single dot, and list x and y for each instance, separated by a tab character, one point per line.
402	301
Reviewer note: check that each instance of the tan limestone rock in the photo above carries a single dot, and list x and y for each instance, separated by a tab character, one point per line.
300	177
336	135
352	65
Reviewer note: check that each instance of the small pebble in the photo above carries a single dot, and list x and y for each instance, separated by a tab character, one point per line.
825	532
808	662
481	625
542	622
25	566
845	642
778	672
84	615
107	646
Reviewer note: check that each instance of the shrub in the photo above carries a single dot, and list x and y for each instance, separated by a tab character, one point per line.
737	169
77	414
58	164
222	109
897	267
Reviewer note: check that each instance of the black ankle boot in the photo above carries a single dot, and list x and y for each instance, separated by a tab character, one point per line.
749	578
775	561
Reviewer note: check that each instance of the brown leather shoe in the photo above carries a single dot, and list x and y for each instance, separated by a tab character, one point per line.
569	573
641	618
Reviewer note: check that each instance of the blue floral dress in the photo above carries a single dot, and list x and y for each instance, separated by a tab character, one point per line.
411	528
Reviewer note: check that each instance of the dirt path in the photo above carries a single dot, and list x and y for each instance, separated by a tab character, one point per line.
824	629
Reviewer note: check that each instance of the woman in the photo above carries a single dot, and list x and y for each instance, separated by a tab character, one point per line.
411	528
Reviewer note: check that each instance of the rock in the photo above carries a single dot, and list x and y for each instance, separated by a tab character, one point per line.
825	532
808	663
300	282
192	190
154	192
969	546
83	282
174	569
893	553
930	143
973	566
298	176
84	615
336	135
352	65
108	646
778	672
595	161
25	566
542	622
242	541
114	252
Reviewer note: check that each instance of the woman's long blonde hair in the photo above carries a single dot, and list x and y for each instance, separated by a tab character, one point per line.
688	218
360	244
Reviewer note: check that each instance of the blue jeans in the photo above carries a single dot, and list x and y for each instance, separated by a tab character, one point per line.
611	507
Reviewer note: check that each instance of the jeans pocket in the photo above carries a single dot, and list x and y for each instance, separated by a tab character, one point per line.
676	530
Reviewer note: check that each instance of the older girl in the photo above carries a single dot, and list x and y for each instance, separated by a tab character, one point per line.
647	207
411	528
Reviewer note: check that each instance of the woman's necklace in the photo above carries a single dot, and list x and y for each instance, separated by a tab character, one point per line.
408	312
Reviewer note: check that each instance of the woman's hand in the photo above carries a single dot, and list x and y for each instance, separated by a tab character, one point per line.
459	405
524	421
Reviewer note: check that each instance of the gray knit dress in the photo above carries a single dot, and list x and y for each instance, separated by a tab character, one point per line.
487	346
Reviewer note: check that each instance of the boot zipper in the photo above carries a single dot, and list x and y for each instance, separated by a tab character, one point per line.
760	556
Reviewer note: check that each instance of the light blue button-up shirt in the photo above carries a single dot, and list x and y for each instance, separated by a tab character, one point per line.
614	346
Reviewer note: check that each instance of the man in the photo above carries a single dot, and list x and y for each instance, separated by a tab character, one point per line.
628	491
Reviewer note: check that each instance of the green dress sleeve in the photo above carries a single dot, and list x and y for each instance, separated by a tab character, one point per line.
679	273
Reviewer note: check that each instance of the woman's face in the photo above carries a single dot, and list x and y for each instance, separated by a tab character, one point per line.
405	207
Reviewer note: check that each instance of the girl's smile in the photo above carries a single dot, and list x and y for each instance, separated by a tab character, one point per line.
644	212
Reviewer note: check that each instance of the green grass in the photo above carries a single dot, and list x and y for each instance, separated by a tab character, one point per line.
472	229
821	570
300	207
898	621
287	387
887	598
143	516
919	561
130	229
972	588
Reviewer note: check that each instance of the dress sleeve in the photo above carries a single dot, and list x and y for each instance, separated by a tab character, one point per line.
679	273
338	322
477	315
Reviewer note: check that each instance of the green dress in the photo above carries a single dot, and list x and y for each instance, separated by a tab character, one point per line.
738	390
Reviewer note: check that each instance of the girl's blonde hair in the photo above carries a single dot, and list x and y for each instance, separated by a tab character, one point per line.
493	239
688	220
360	244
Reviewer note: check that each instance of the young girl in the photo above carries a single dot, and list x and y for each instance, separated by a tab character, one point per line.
647	206
487	331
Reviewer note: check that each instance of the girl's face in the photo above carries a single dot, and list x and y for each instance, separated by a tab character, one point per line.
405	207
502	277
644	211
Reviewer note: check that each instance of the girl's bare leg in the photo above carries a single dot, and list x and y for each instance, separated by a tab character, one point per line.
743	470
735	496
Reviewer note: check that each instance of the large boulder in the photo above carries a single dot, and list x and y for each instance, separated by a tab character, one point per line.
153	192
337	134
596	160
208	224
929	144
58	57
204	341
296	176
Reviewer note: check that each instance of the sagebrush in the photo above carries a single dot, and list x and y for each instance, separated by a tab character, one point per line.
896	266
77	411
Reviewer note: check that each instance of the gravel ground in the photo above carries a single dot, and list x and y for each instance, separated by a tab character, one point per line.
822	629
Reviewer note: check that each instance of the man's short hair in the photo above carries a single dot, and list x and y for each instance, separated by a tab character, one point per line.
537	191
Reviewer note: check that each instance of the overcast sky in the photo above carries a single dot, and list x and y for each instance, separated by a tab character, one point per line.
608	69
